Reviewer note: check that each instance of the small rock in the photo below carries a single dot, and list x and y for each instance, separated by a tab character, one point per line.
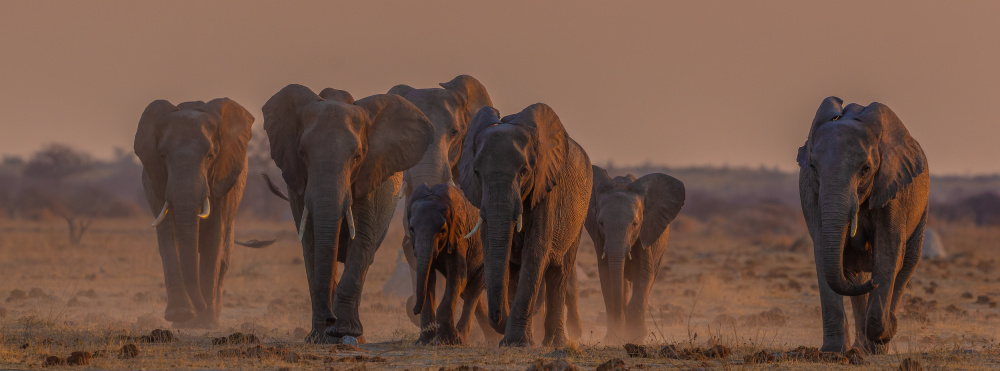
983	299
614	364
128	351
161	336
237	338
350	340
78	359
910	364
53	361
636	351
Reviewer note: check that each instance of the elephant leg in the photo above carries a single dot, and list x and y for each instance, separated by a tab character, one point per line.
411	260
860	306
573	322
614	326
643	272
322	315
428	322
372	216
489	334
179	307
446	332
518	332
211	251
555	305
834	317
880	323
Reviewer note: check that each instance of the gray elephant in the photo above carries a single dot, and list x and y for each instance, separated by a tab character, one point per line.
439	218
194	169
864	184
629	222
531	182
342	162
449	108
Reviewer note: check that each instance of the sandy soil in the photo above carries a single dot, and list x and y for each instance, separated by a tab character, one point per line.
746	281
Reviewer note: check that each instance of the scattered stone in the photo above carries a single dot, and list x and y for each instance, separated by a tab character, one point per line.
237	338
78	359
636	351
983	299
53	361
910	364
556	365
160	336
614	364
128	351
760	357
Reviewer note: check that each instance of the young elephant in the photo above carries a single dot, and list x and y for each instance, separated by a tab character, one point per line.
439	217
194	169
628	219
864	184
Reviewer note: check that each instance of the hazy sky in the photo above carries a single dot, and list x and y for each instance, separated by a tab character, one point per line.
677	83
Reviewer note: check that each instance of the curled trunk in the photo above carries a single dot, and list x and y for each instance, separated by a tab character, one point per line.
835	219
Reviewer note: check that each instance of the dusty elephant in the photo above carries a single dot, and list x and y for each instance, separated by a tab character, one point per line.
341	161
864	183
449	108
194	169
532	183
629	222
440	216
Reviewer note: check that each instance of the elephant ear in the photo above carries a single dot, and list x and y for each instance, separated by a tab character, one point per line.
551	145
233	135
663	196
486	117
475	94
283	126
602	183
830	110
398	136
337	95
147	138
902	158
400	89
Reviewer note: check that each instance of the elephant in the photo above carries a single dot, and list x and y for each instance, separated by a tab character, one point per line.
531	183
440	217
449	108
629	222
194	170
864	184
342	163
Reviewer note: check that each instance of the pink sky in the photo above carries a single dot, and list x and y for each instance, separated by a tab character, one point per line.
676	83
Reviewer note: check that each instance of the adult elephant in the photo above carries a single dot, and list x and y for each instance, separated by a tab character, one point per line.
194	169
449	109
629	221
341	161
864	184
531	182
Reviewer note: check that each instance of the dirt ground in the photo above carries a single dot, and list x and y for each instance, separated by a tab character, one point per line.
745	280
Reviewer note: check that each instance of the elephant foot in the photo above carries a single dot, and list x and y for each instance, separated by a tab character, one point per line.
448	335
516	340
557	340
179	314
346	325
320	337
838	347
427	336
870	347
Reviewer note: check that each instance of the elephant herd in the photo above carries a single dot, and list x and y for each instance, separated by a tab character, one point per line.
497	204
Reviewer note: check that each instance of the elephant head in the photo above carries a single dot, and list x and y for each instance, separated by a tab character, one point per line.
507	166
629	212
438	220
449	109
855	158
191	153
333	151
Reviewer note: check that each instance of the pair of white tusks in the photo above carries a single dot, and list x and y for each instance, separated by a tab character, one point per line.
305	216
480	222
605	255
205	207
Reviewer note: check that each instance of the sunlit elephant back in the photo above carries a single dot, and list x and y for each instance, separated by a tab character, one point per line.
194	170
341	161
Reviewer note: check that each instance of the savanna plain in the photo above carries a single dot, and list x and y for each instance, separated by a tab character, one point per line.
738	275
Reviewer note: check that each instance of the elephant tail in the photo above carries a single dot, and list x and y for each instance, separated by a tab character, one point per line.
274	188
256	244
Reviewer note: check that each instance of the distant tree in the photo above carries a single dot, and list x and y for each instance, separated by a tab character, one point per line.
56	162
79	206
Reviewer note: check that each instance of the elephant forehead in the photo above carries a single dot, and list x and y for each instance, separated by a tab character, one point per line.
188	125
619	201
504	141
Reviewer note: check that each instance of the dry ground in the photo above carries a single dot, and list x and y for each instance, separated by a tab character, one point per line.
745	280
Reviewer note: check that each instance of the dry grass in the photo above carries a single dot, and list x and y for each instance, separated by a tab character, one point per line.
735	281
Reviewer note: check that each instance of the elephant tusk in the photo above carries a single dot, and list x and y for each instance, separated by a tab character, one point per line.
302	222
629	255
604	255
206	209
402	187
451	182
474	229
350	221
519	223
163	214
854	225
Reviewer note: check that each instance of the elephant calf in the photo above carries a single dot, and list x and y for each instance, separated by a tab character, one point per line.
439	218
864	184
628	220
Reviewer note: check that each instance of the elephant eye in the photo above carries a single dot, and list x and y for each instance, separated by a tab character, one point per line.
454	133
524	171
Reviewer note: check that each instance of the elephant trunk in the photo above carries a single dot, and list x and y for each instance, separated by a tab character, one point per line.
501	208
424	272
327	210
616	250
837	212
186	196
